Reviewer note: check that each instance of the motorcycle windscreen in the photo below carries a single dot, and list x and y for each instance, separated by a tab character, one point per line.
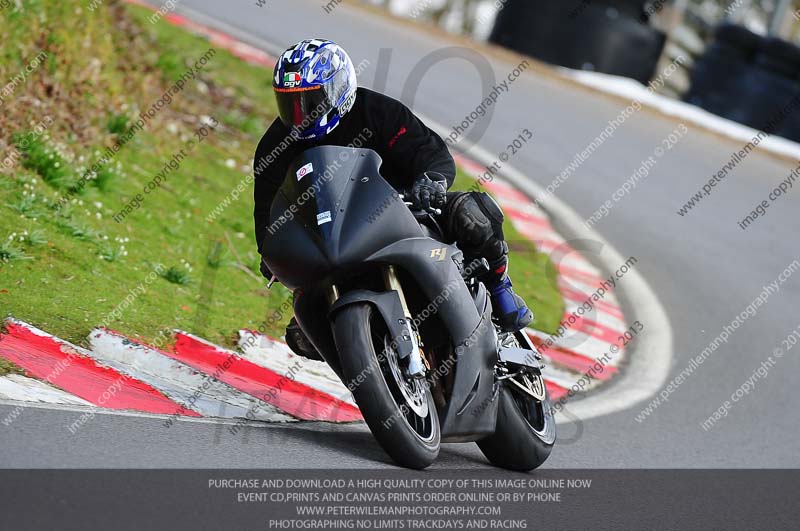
317	182
343	212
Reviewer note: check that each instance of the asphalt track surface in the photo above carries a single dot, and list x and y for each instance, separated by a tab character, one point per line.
704	269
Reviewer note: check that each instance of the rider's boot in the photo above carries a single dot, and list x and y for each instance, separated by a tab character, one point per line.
510	311
298	342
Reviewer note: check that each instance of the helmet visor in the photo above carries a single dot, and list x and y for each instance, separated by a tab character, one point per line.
301	107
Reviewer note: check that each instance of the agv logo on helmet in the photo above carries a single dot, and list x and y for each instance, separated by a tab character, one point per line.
291	80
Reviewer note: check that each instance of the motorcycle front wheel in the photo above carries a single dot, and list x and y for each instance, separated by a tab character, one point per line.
399	410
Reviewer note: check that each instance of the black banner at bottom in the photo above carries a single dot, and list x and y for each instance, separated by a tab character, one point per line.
364	499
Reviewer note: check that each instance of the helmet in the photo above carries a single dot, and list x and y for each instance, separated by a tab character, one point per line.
315	85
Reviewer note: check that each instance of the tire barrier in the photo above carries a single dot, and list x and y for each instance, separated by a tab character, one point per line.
750	79
603	35
716	81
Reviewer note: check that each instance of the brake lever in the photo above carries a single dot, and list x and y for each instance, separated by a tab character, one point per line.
437	211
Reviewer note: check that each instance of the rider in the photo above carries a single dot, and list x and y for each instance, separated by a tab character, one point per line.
319	103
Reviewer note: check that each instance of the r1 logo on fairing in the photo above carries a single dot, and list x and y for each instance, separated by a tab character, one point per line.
439	254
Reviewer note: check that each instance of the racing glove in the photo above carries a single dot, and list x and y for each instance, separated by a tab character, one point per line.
429	191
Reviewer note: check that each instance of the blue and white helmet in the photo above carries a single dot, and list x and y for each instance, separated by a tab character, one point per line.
315	85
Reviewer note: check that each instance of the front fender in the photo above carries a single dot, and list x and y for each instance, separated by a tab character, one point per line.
391	309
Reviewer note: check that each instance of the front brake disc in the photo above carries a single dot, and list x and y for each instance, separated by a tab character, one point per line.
533	386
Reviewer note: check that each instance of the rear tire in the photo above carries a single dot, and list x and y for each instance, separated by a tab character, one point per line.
525	432
357	329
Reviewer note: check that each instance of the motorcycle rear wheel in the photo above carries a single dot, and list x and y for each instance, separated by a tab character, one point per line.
371	367
526	427
516	444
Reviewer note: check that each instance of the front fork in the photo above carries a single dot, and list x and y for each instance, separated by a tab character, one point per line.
416	362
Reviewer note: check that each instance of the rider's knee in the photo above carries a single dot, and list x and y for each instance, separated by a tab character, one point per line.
475	221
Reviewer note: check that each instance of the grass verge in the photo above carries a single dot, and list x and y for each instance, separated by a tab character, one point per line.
6	367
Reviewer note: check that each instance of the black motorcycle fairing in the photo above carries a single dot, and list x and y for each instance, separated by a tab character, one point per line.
433	267
290	252
432	264
333	210
316	326
471	412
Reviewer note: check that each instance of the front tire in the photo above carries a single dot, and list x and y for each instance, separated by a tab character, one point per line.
409	438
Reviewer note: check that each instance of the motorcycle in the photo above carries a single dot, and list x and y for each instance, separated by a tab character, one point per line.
402	318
